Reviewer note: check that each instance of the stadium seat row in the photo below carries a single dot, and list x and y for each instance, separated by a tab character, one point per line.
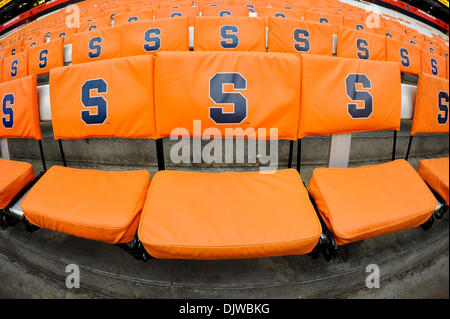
191	215
223	34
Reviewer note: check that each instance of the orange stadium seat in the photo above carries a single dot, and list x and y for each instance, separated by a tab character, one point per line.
190	12
98	24
134	16
431	114
393	34
96	45
363	202
433	64
66	34
267	12
296	36
151	36
15	66
225	11
245	226
336	20
19	119
46	56
407	54
88	101
229	34
360	45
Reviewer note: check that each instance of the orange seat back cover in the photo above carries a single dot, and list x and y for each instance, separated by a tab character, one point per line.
46	56
348	95
227	90
151	36
229	34
19	116
432	103
296	36
104	99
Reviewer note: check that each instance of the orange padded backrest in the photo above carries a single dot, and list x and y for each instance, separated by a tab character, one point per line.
97	24
336	20
266	12
296	36
227	90
66	34
433	64
354	23
229	34
46	56
135	16
15	66
96	45
431	108
32	42
19	115
104	98
190	12
360	45
393	34
408	55
348	95
225	11
151	36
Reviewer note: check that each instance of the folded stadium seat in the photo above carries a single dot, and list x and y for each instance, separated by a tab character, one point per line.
229	34
363	202
407	54
433	64
20	120
360	45
15	66
96	45
150	36
43	58
263	213
87	100
431	116
135	16
225	11
190	12
296	36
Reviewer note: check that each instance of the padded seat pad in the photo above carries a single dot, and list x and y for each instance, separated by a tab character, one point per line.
93	204
369	201
14	177
191	215
435	173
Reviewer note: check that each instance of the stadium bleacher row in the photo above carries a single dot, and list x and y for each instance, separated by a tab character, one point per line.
126	93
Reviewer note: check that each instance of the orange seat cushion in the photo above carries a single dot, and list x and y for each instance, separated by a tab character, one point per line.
369	201
435	173
93	204
190	215
14	177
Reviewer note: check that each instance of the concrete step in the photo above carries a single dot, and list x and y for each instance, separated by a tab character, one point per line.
107	271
